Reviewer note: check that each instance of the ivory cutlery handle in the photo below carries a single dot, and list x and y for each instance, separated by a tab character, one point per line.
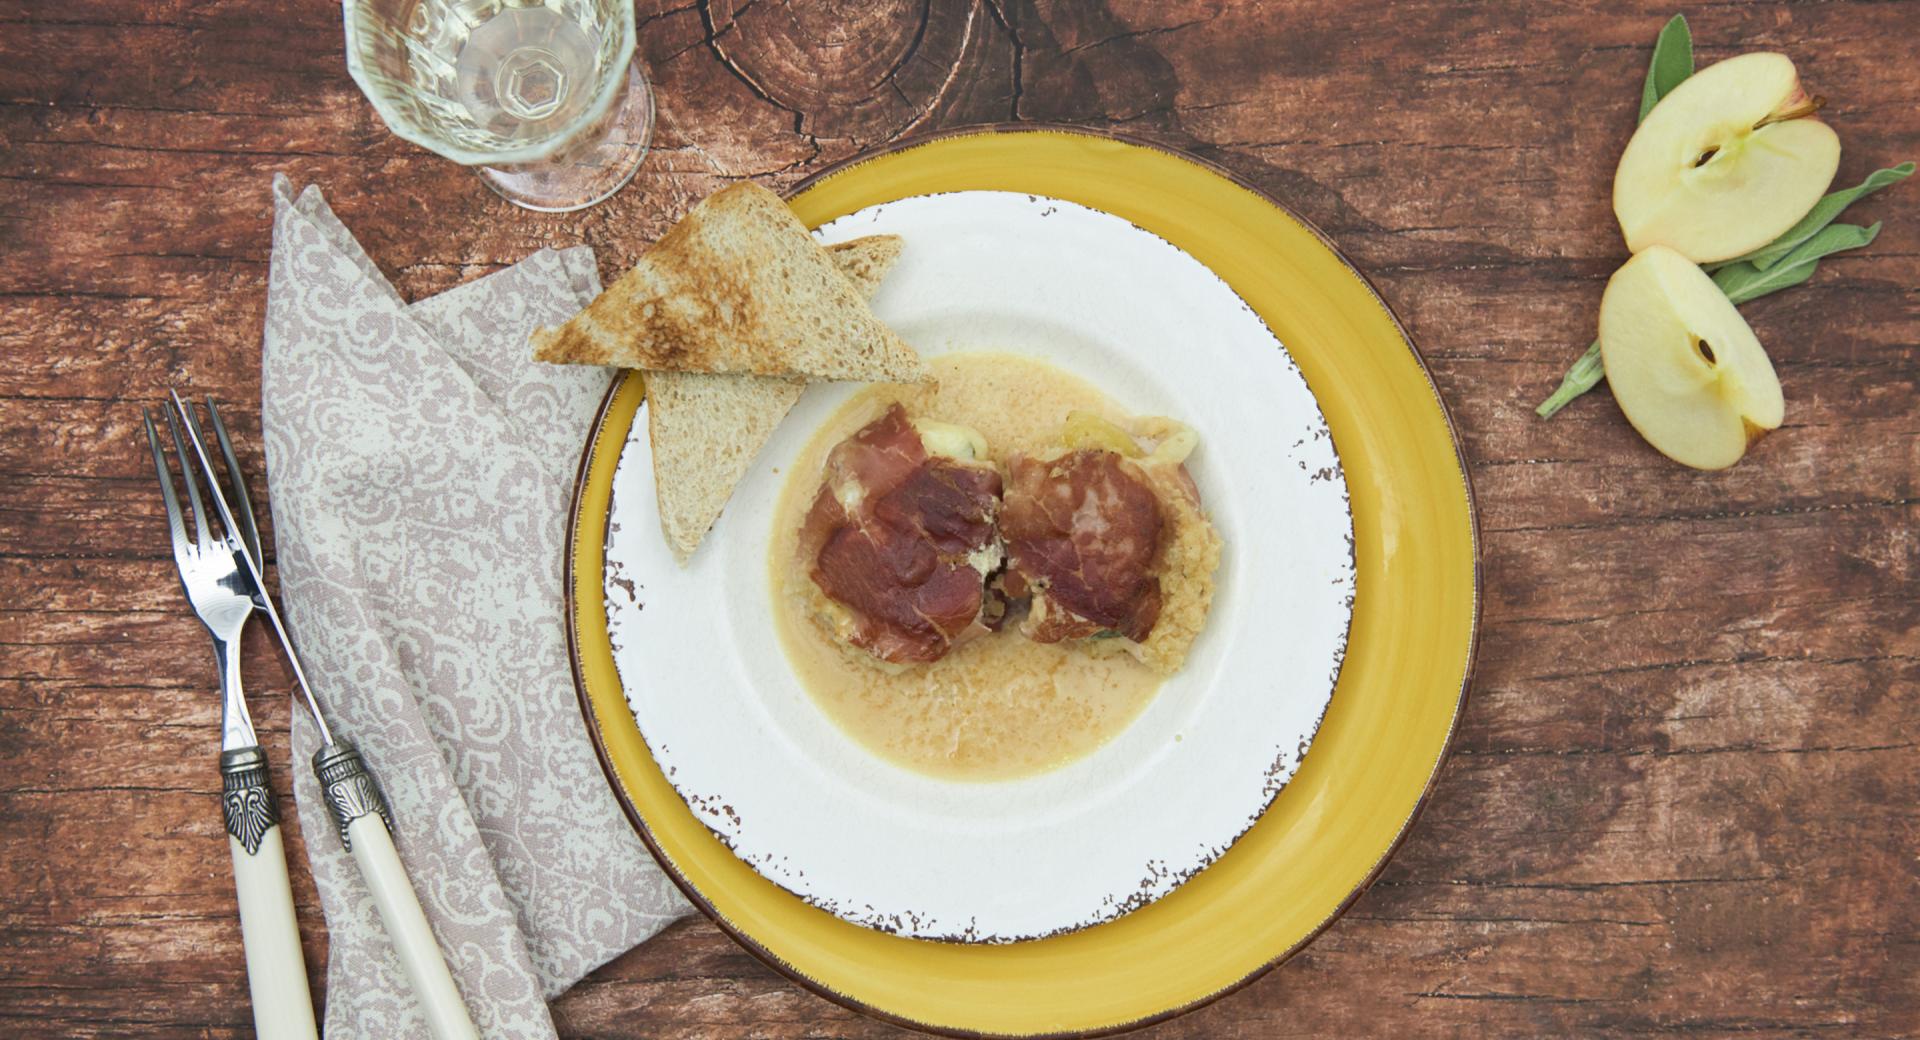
361	812
276	970
407	926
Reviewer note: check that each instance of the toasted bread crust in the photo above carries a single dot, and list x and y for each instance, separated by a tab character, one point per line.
706	428
738	285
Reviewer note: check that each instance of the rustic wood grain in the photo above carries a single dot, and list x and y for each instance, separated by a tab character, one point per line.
1683	795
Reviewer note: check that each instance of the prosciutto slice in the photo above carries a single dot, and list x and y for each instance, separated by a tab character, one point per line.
900	540
1082	534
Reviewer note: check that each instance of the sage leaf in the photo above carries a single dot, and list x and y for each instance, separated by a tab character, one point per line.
1822	214
1744	281
1672	63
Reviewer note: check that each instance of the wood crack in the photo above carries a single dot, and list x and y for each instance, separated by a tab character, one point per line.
1681	752
1535	998
712	40
154	149
1019	55
1592	886
1452	918
1710	516
1133	34
1711	662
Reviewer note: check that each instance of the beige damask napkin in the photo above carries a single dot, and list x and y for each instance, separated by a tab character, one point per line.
420	468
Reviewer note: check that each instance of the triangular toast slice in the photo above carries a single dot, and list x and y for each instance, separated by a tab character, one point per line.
738	285
706	428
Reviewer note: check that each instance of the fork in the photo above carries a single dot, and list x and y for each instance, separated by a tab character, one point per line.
222	594
352	794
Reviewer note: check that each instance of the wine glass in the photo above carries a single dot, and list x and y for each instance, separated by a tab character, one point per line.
545	96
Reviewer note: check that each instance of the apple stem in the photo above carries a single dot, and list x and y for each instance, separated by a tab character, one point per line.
1805	108
1585	374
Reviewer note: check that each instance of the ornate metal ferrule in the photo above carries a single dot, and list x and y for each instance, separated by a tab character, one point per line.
245	801
350	790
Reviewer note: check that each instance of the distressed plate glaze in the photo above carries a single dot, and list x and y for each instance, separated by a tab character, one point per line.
1376	755
887	848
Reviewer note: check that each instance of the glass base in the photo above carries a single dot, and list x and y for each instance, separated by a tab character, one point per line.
582	176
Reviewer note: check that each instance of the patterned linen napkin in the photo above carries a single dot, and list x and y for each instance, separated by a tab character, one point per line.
420	468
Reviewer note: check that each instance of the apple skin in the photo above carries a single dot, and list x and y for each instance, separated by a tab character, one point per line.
1700	408
1770	161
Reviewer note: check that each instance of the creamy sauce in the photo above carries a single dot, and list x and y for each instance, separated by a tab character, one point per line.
1000	706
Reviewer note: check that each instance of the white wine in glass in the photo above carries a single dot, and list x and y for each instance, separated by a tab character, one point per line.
545	96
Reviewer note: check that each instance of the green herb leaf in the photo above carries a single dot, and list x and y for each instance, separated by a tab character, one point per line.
1672	63
1743	281
1585	374
1821	215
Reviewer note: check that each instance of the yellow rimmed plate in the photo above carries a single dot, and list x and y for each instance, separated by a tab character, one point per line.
1393	712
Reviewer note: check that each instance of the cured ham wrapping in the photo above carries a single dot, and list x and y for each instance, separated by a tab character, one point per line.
1083	535
900	541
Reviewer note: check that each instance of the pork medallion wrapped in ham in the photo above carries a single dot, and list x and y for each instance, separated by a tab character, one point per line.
1106	541
902	536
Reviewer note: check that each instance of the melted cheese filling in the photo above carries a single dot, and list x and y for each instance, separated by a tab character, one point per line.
995	708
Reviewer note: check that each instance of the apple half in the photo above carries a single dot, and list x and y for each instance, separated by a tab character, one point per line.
1724	163
1683	364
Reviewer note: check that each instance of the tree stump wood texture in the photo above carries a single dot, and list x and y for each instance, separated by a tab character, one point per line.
1683	795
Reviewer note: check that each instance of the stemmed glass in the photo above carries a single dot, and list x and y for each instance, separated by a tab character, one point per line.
544	96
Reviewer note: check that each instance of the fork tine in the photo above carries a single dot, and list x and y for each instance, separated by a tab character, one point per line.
186	473
176	528
239	500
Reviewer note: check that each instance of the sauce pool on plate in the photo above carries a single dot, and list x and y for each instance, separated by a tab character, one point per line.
998	707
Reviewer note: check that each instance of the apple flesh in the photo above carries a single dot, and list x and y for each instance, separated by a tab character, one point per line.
1683	364
1726	162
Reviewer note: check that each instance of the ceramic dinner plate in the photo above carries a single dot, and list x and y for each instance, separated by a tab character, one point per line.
1409	637
798	799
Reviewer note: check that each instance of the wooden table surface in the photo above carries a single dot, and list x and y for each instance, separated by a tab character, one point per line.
1682	798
